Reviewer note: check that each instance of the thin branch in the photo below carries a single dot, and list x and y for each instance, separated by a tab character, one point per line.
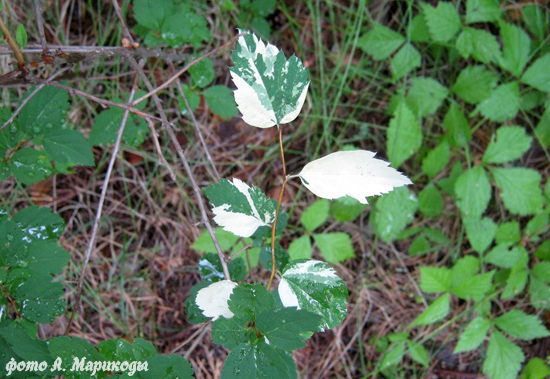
125	30
40	25
13	44
184	69
188	170
91	244
198	130
31	95
159	150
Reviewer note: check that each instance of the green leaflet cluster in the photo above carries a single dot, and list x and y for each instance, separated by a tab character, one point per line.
503	87
41	122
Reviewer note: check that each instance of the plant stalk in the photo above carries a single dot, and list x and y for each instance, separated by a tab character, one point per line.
13	44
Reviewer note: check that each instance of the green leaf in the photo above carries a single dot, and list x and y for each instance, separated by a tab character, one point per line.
521	325
475	287
210	268
473	335
405	61
443	21
418	353
30	165
192	310
435	279
45	111
534	19
270	89
474	84
457	125
516	282
315	287
504	358
539	293
425	96
537	225
464	268
167	367
538	75
240	209
542	271
542	131
480	232
281	257
419	31
230	332
300	248
393	355
193	98
516	50
346	208
259	361
437	159
393	212
419	245
315	215
508	232
107	124
502	105
68	147
437	311
404	135
535	369
482	11
335	247
204	243
504	257
521	193
430	201
221	102
482	45
380	42
39	224
21	36
150	13
286	328
248	300
511	143
473	192
202	73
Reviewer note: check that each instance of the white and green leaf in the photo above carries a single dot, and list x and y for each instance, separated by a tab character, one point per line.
212	300
240	209
354	173
314	286
271	90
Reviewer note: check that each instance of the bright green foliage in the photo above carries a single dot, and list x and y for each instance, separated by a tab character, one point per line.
259	361
393	355
511	143
107	124
443	21
335	247
480	232
480	44
253	13
419	245
211	270
419	29
473	192
404	135
508	232
457	125
502	256
30	166
170	22
537	75
482	11
503	104
473	335
516	50
425	96
474	84
472	287
430	201
21	36
405	61
346	208
437	311
282	257
315	215
193	98
300	248
437	159
503	358
435	279
534	19
202	73
315	287
221	102
380	42
520	325
393	212
520	187
534	369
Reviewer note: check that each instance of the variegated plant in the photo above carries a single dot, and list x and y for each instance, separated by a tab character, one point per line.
261	328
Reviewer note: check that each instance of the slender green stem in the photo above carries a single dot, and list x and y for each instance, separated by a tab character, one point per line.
274	226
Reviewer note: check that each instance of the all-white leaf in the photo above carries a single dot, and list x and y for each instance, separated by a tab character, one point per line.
212	300
355	173
271	90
